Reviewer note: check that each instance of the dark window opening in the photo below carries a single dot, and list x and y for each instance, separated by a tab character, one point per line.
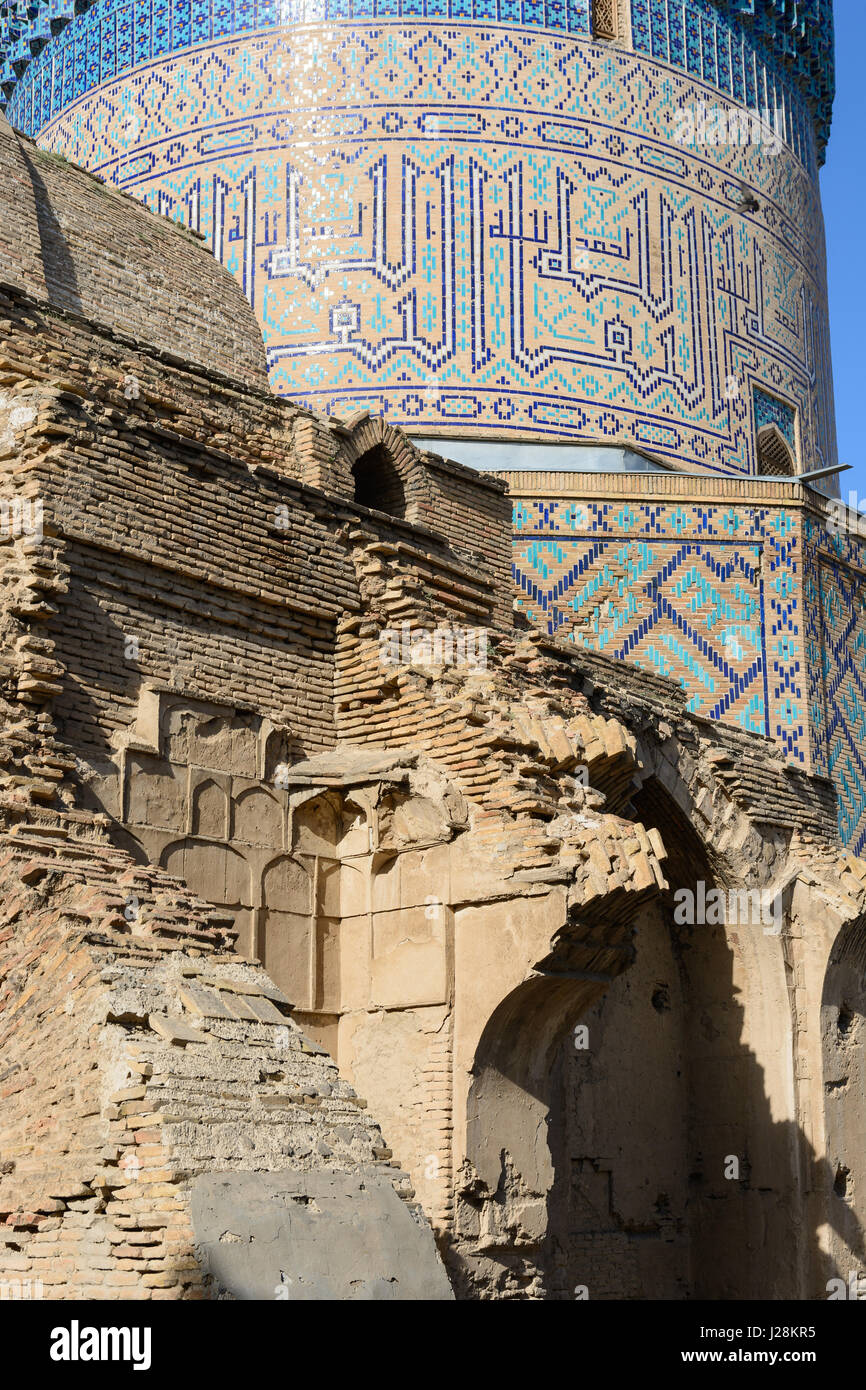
377	483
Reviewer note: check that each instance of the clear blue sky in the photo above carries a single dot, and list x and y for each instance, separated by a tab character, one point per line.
843	189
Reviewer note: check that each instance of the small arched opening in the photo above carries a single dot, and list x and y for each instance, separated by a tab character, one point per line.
378	483
775	455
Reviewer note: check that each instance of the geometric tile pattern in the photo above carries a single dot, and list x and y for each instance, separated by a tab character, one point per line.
843	655
116	35
538	257
712	42
740	46
770	411
836	632
708	595
758	611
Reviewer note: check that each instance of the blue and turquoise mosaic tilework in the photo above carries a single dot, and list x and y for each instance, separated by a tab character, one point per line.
718	43
704	36
705	594
747	56
488	229
112	36
769	410
835	602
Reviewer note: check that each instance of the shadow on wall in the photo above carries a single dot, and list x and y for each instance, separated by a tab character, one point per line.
843	1047
625	1145
57	262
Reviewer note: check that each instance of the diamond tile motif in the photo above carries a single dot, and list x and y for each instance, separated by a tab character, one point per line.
437	174
707	595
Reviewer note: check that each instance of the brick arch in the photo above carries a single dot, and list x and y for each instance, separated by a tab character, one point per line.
696	783
525	1170
368	435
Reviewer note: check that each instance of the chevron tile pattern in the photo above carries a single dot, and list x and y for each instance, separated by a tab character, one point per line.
707	595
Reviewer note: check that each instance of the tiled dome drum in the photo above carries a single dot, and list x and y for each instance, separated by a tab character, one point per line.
525	220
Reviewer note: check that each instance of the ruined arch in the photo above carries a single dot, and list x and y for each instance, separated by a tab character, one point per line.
567	949
738	988
257	817
629	1087
317	824
609	1166
287	926
508	1173
209	809
218	874
688	785
512	1067
843	1048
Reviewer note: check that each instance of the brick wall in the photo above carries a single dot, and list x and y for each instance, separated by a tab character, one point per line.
139	1053
96	252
